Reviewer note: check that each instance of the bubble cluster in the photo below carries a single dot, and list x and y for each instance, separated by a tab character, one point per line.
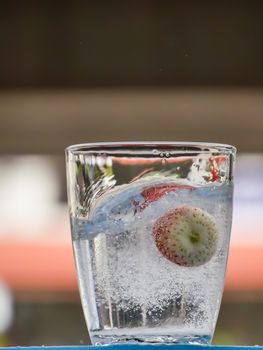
133	283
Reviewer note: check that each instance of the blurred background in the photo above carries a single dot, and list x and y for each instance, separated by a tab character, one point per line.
82	71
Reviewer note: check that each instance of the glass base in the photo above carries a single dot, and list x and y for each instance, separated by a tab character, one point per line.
150	339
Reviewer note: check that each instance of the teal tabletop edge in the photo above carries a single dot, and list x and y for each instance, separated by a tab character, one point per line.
136	347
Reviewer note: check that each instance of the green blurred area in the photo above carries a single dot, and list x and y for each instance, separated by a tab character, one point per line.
62	323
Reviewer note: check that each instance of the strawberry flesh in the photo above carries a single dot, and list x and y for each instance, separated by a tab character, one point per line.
154	193
161	233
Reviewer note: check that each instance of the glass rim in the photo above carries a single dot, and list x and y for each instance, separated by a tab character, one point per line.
176	146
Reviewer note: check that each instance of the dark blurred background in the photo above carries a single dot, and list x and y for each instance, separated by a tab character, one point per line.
82	71
65	44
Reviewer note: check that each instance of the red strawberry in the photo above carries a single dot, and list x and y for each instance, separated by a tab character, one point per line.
186	236
215	163
153	193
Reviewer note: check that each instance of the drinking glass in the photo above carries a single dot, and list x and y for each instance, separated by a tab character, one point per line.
150	224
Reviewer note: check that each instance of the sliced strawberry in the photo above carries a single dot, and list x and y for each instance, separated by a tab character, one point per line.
215	163
151	194
186	236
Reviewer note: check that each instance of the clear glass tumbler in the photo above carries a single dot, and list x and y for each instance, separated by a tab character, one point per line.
150	225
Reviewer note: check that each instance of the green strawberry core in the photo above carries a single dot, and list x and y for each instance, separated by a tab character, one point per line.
194	237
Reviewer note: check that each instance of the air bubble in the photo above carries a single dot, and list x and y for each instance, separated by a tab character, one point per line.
155	152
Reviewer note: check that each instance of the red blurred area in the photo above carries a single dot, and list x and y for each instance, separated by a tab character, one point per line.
38	267
245	268
49	266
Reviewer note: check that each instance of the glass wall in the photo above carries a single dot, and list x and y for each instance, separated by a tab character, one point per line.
76	72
